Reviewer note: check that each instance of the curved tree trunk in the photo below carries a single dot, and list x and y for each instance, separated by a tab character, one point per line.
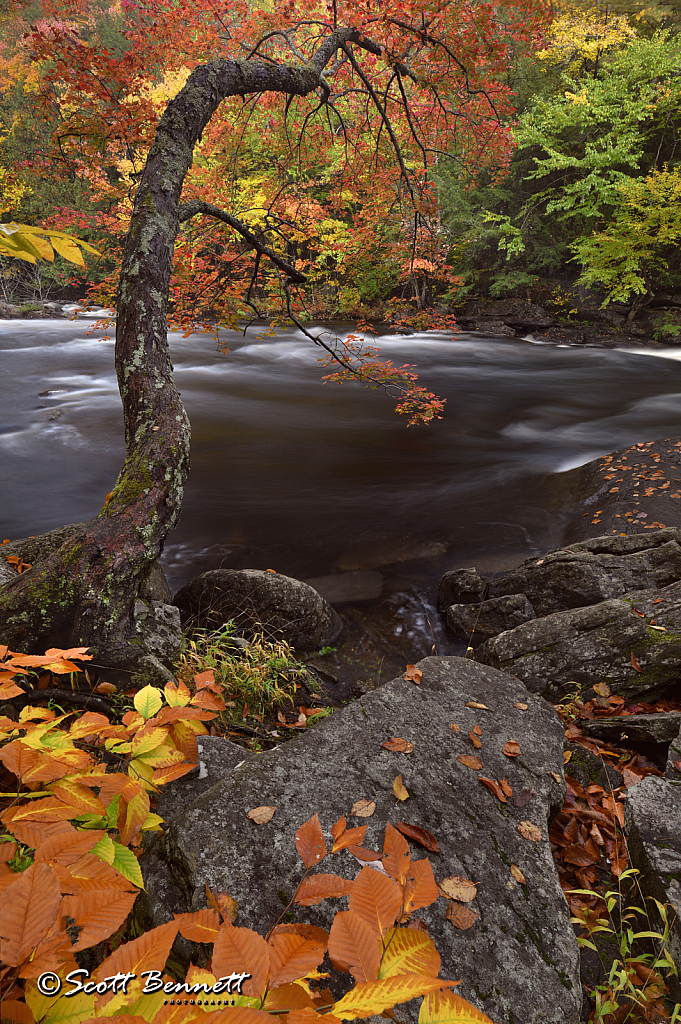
84	585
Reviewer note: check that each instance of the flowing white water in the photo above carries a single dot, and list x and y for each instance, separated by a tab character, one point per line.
294	474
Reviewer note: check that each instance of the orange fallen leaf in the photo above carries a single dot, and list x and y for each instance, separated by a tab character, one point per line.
361	853
522	707
105	688
457	888
461	917
506	788
399	745
477	730
414	674
556	777
517	874
474	740
261	815
602	689
363	809
399	789
494	786
419	835
454	728
511	749
634	663
476	704
470	760
567	754
528	830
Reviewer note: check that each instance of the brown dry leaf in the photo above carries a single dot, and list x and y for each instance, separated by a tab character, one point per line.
414	674
399	789
630	778
361	853
260	815
363	809
419	835
281	718
477	704
521	798
521	706
528	830
556	777
634	663
517	874
602	689
470	760
567	754
494	786
506	787
461	917
477	730
310	842
457	888
511	749
399	745
474	740
105	688
454	728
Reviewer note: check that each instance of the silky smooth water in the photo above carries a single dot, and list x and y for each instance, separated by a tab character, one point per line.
294	474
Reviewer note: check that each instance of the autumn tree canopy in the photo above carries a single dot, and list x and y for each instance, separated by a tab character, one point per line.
301	144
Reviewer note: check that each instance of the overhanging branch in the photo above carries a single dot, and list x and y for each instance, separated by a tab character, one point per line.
196	207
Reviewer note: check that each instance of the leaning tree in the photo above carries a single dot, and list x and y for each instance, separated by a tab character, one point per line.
423	78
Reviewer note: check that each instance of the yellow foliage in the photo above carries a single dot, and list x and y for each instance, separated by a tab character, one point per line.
580	35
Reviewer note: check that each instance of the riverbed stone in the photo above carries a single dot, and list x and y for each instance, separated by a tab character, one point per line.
659	727
259	600
652	813
519	961
479	621
460	586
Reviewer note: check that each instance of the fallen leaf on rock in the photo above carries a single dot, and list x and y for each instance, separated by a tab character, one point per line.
521	798
457	888
474	740
529	831
260	815
419	835
477	730
630	778
413	673
517	874
454	728
476	704
363	809
399	789
105	688
418	925
461	917
362	854
399	745
470	760
635	663
505	786
494	786
511	749
567	754
556	777
602	689
521	706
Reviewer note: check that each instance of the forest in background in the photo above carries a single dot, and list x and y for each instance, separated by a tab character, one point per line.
564	170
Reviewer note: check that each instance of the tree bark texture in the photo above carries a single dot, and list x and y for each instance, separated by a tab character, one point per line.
83	587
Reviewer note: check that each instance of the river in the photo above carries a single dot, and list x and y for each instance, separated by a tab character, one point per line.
308	478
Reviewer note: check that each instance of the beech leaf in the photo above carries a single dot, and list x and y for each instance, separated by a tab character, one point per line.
529	831
350	837
447	1007
354	946
363	808
494	786
148	701
310	842
396	855
377	899
470	760
419	835
261	815
511	749
635	663
457	888
399	745
369	998
461	917
321	887
517	874
414	674
399	789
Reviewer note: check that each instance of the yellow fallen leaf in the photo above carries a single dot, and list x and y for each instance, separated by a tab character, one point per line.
528	830
517	874
457	888
567	754
476	704
399	789
454	728
521	706
363	809
260	815
556	777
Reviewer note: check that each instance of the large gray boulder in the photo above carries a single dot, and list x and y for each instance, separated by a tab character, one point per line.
594	644
519	960
652	812
489	617
260	601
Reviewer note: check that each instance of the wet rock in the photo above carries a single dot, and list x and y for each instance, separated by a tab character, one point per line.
656	728
592	571
389	552
520	957
357	585
490	617
652	813
673	766
460	586
260	601
588	769
497	327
